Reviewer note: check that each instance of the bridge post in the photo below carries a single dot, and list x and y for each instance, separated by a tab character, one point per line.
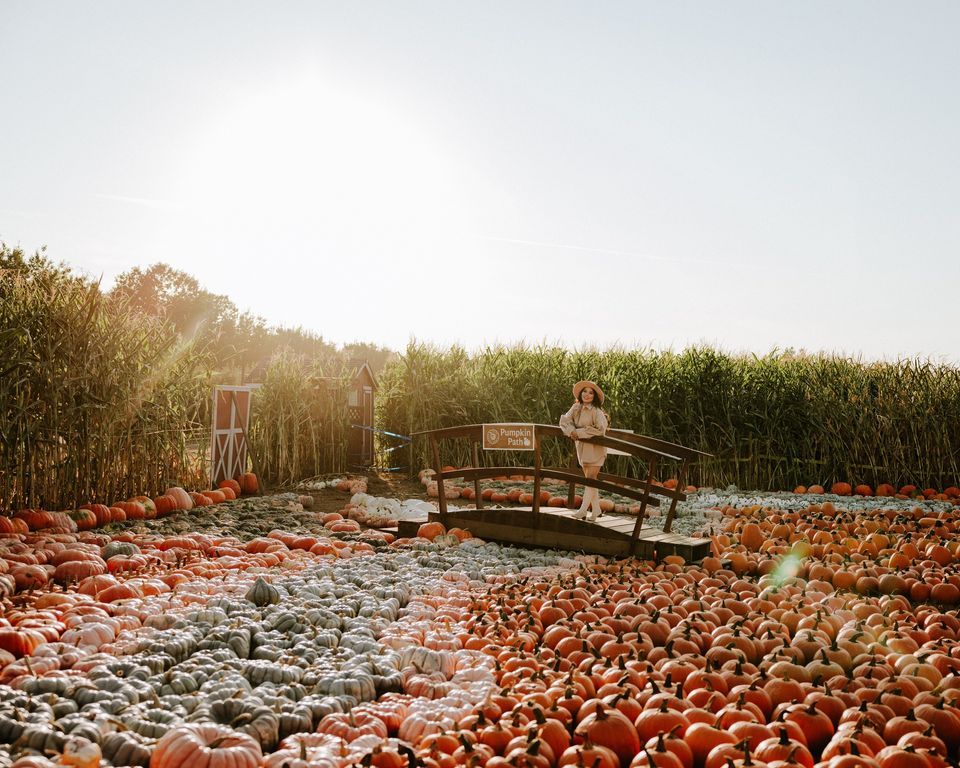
673	504
438	468
536	471
643	506
572	490
476	480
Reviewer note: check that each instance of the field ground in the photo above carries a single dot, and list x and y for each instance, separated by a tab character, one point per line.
271	635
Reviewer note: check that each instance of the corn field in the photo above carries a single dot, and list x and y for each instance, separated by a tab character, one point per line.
299	425
97	402
770	422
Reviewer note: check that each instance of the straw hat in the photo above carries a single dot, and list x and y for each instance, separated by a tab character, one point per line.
582	385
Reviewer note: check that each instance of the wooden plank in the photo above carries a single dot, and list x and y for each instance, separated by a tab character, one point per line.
688	553
610	522
653	535
550	539
648	533
556	528
407	529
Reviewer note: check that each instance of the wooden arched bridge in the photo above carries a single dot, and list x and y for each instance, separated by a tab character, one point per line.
555	527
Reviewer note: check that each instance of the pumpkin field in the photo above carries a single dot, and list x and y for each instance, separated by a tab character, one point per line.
228	629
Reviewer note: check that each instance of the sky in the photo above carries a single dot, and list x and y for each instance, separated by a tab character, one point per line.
751	175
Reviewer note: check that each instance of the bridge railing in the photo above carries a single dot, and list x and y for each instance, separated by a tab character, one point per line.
647	492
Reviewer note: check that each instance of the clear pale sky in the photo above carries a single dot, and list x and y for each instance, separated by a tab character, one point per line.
748	174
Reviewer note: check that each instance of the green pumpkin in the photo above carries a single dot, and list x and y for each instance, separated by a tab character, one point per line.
262	593
126	548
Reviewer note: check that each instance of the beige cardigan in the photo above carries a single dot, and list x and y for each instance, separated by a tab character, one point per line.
583	421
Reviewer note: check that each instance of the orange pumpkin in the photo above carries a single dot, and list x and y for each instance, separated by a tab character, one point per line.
134	510
249	483
752	537
206	745
233	485
182	497
101	512
150	509
164	505
430	531
20	642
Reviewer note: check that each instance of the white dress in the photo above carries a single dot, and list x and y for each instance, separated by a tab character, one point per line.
584	421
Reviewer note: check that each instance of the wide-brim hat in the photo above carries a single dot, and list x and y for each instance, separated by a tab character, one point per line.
582	385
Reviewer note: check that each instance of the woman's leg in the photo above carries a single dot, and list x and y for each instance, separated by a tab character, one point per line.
585	504
592	471
587	494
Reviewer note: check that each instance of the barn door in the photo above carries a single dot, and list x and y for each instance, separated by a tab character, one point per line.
228	442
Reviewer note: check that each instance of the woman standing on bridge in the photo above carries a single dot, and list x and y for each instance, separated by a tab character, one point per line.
586	419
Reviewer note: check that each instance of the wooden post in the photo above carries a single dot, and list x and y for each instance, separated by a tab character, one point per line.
476	480
438	469
536	472
572	491
643	507
673	504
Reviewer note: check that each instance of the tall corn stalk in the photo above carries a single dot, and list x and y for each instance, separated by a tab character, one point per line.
300	421
96	402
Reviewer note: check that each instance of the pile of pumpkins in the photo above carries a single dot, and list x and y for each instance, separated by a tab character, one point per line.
169	649
95	515
841	488
804	640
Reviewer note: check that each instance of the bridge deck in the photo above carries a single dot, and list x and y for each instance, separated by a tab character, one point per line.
556	528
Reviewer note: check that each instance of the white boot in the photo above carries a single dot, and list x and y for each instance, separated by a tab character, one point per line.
581	513
595	506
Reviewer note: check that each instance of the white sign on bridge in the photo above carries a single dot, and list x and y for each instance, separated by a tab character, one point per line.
508	437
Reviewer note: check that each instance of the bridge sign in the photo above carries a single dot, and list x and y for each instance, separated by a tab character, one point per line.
508	437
